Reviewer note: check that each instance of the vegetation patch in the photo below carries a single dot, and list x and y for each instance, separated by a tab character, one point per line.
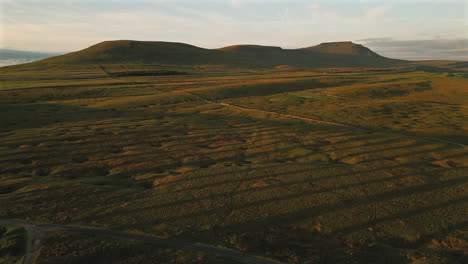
12	244
77	248
145	73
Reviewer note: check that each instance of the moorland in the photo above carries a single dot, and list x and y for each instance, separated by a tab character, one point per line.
327	154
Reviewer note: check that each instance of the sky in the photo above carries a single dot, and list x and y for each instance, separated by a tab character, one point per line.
406	29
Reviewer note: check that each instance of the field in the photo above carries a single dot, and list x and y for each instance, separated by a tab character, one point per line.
61	248
298	165
12	241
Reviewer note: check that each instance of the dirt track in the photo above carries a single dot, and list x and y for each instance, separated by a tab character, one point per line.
319	121
35	231
269	112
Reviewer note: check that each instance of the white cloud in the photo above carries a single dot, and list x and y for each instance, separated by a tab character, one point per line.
314	6
53	25
235	3
420	49
378	12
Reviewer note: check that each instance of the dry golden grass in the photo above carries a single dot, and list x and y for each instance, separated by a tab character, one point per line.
157	160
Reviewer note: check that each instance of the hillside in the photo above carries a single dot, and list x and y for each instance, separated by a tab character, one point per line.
134	51
340	54
345	47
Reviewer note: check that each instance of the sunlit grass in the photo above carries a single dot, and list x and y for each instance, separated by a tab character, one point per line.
151	155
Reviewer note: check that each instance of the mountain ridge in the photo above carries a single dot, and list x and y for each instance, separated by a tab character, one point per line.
331	54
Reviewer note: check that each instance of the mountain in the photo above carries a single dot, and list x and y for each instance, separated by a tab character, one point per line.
345	47
11	57
134	51
335	54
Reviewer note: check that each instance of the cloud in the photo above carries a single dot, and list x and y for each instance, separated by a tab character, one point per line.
314	6
376	12
284	14
235	3
57	25
374	39
436	49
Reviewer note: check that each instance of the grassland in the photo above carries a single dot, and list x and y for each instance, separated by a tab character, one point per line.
60	248
191	157
12	244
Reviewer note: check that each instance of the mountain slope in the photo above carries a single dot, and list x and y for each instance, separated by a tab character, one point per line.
345	47
341	54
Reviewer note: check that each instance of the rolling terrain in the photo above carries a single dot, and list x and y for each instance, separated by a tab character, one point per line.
328	154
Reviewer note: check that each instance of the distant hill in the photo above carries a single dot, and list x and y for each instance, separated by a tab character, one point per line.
345	47
337	54
11	57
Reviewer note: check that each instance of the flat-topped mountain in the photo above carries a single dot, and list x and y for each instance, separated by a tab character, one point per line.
121	51
335	54
344	47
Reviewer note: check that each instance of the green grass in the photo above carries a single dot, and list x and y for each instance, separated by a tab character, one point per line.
425	106
257	89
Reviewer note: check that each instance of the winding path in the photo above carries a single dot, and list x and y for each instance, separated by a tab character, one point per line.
268	112
318	120
35	231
